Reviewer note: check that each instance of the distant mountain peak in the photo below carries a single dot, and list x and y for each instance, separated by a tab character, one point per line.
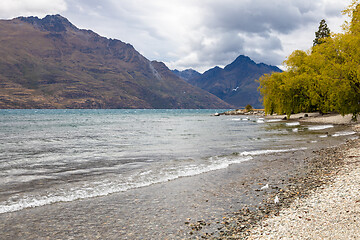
187	74
240	61
243	58
235	84
52	23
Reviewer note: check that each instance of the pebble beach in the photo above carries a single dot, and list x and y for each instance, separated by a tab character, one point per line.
323	202
330	210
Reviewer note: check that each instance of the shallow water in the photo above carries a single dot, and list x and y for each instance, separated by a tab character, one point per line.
51	156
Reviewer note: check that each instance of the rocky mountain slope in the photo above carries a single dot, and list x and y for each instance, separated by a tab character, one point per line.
235	84
50	63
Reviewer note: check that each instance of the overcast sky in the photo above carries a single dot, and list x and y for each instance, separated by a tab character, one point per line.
196	34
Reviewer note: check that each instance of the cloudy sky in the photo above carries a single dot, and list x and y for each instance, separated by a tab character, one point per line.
196	34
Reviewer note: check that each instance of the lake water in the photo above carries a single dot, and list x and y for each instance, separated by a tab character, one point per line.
50	156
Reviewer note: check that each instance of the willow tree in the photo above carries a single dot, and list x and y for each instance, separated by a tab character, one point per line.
347	89
326	78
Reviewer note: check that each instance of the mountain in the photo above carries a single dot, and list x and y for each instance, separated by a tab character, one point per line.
50	63
187	74
235	84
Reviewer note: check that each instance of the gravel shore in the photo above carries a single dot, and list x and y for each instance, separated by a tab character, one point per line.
330	211
332	118
321	203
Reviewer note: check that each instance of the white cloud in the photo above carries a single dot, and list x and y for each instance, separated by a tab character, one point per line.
15	8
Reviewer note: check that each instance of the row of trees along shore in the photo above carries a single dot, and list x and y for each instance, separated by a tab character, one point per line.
326	78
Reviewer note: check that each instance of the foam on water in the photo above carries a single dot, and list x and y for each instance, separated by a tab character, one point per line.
261	152
106	187
274	120
344	133
260	120
291	124
320	127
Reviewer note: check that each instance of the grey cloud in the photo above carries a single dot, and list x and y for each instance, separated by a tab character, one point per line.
226	46
223	30
252	28
259	16
333	9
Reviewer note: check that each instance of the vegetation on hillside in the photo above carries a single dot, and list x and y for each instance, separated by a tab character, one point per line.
325	78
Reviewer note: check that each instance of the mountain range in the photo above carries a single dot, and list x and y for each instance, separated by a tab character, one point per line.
50	63
235	84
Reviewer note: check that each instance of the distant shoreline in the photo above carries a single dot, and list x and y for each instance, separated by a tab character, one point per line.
331	118
316	117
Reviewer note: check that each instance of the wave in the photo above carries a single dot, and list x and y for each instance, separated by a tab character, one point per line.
269	151
260	120
110	186
345	133
320	127
140	179
274	120
291	124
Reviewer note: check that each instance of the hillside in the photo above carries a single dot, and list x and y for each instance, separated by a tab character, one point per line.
50	63
235	84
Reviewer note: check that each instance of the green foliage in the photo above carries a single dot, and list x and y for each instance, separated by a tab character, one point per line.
327	78
248	108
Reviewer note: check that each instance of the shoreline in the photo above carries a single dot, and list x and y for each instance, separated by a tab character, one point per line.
329	211
316	205
330	118
184	208
222	204
322	168
315	117
268	220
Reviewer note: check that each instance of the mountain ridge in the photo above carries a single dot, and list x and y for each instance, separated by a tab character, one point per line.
236	82
50	63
